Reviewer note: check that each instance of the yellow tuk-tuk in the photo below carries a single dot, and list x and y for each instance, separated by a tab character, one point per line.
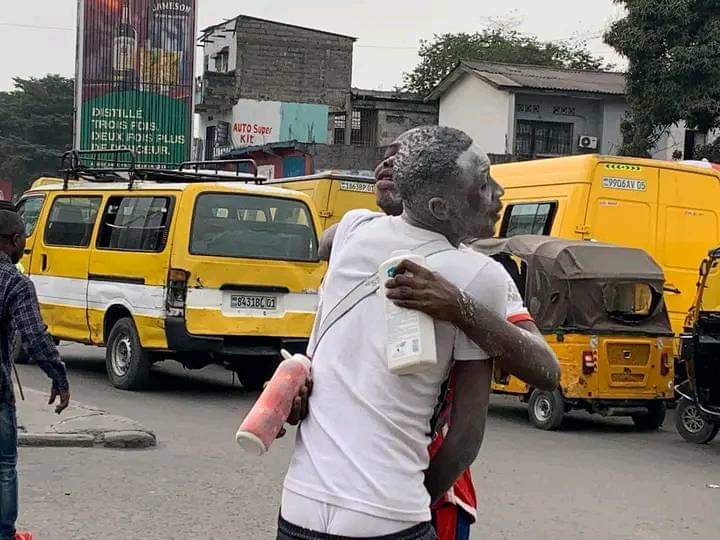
601	309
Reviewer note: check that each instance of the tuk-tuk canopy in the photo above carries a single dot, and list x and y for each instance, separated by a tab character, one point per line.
584	286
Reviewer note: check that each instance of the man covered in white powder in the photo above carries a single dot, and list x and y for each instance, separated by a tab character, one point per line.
361	467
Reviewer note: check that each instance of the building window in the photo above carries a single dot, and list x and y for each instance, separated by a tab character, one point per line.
543	139
222	60
529	218
564	110
363	127
222	134
339	128
529	108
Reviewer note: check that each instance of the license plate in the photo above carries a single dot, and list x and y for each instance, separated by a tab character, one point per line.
254	302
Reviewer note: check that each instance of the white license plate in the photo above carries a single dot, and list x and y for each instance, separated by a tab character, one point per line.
254	302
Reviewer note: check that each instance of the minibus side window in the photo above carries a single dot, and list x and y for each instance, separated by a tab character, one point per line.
29	210
71	221
135	224
528	218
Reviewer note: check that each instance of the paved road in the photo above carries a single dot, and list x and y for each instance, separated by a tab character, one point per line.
598	479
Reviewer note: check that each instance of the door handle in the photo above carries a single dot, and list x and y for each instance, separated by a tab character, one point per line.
27	251
44	261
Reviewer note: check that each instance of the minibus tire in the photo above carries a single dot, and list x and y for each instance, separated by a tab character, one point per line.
693	425
253	374
127	363
655	417
546	410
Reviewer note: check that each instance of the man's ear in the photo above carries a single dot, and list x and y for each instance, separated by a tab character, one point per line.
439	208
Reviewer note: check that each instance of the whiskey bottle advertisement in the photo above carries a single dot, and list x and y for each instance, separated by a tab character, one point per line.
125	50
135	80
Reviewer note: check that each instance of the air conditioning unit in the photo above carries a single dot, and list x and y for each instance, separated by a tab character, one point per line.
587	142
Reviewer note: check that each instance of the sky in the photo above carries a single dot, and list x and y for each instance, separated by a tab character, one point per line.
38	36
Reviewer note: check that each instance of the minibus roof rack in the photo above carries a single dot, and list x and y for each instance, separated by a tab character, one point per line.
120	165
98	165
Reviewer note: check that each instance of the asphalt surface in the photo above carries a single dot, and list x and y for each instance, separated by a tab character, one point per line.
597	479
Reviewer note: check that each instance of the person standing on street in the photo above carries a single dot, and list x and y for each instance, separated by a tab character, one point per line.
365	478
20	312
455	512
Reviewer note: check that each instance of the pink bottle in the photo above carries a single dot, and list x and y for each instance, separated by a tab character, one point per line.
271	410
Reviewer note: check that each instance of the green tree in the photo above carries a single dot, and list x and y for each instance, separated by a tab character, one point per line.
673	48
711	152
36	126
500	43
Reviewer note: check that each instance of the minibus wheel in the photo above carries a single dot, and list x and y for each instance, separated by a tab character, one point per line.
255	372
693	425
127	363
655	417
546	409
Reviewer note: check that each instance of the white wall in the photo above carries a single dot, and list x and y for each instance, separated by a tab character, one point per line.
223	36
480	110
613	114
673	139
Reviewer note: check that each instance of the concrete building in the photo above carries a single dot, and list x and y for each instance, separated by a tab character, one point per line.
270	89
526	112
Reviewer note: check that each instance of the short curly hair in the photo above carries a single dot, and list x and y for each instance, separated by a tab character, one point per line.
429	159
10	223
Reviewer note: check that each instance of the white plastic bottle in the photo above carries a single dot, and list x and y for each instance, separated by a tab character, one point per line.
410	346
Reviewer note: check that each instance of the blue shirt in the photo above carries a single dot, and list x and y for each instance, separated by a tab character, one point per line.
20	312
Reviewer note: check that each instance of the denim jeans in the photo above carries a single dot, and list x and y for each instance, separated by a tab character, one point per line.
8	472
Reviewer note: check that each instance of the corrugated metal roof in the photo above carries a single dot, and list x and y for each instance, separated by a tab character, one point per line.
385	94
546	78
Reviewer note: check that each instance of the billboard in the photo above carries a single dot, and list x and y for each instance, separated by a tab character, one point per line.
262	122
135	66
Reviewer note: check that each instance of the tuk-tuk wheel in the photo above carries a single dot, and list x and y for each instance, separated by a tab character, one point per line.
655	417
693	425
546	409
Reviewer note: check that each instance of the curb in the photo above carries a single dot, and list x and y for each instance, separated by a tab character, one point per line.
118	439
55	440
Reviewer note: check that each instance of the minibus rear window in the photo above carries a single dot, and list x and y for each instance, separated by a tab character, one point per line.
528	218
252	227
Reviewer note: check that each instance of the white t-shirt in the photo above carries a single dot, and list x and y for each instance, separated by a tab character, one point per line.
515	304
364	443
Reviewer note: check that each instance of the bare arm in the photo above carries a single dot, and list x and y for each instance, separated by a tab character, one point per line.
326	243
522	353
467	427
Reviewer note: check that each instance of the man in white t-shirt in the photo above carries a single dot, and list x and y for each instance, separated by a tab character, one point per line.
361	466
